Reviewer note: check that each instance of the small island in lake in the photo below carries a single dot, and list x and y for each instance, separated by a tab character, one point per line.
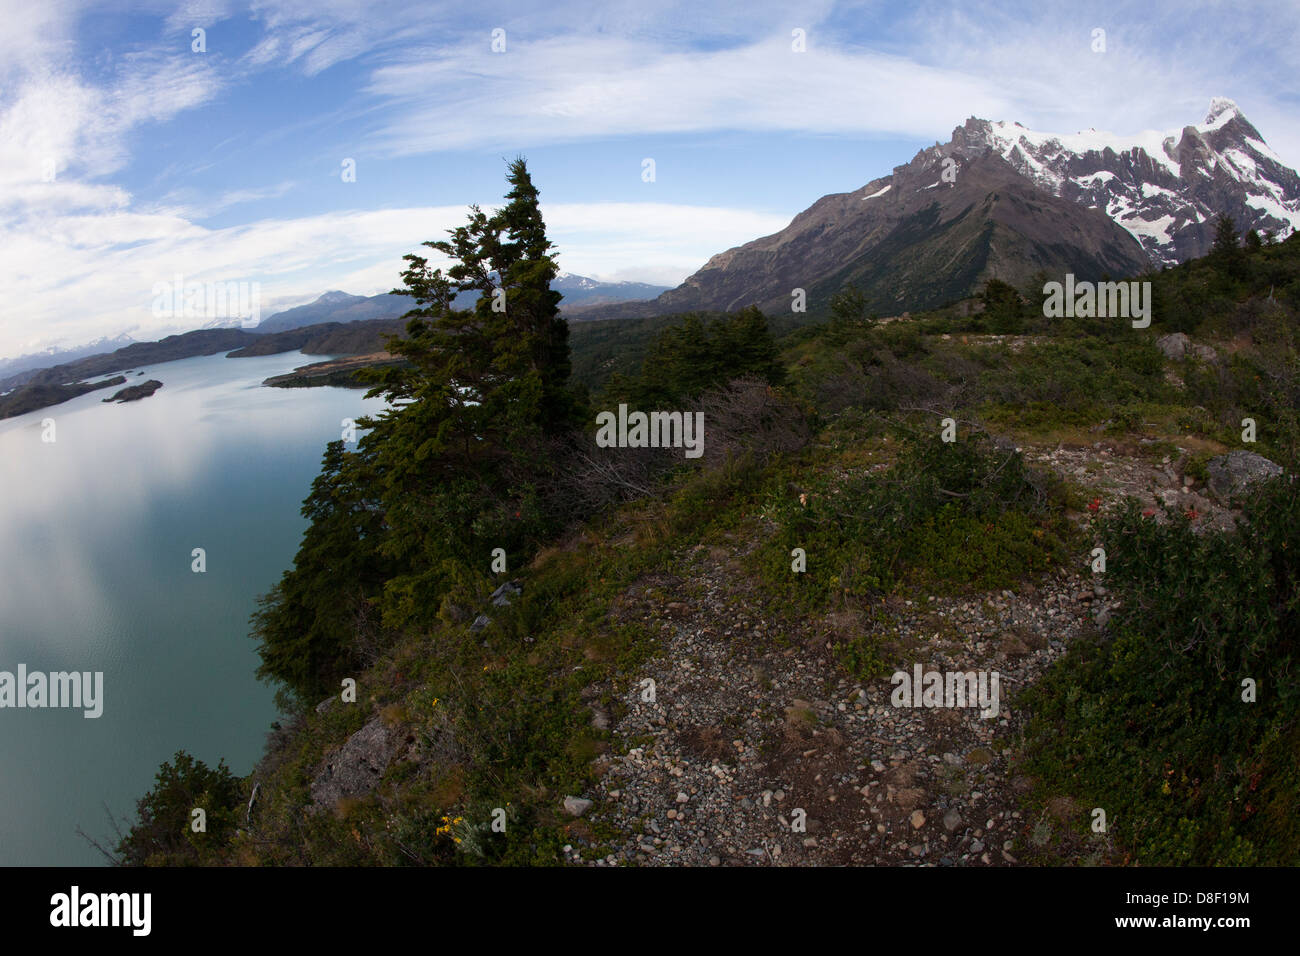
29	398
135	392
339	372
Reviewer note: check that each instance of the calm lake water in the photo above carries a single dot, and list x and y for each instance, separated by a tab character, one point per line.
96	534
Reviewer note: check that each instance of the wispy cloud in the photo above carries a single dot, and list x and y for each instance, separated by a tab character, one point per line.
114	259
567	89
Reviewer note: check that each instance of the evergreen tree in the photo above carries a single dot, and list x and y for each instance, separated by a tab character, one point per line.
1226	239
748	347
307	624
1227	246
483	391
848	307
163	835
1003	309
694	356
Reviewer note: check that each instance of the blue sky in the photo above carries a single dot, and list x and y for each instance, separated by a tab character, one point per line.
225	165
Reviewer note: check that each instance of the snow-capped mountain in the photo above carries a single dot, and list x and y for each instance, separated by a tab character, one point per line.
581	292
1167	188
336	306
1002	201
55	355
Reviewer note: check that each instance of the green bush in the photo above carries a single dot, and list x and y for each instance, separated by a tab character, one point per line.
961	514
164	834
1149	723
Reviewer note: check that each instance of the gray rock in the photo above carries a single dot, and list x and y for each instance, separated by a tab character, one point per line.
1233	473
357	766
576	806
503	595
1174	346
952	820
326	704
480	622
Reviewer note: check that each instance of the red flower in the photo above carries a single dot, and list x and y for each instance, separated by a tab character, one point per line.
1148	513
1094	504
1191	514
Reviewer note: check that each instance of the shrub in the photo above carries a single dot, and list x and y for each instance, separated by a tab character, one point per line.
163	835
1149	723
965	514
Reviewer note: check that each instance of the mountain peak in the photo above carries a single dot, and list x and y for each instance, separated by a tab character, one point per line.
1167	188
334	295
1220	105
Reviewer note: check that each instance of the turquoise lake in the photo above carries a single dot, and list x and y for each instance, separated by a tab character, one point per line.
97	529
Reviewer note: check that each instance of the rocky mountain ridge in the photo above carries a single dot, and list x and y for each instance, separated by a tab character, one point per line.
1166	189
1001	201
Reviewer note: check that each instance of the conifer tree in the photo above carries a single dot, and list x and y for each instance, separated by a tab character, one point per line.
483	389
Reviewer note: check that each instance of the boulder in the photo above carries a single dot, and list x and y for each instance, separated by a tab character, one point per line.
1231	474
1174	346
576	806
356	768
1178	347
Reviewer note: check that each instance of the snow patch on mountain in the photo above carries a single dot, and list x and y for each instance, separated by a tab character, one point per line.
1166	188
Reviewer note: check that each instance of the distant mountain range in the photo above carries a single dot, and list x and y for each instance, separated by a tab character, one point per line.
329	338
52	356
341	307
1001	201
327	317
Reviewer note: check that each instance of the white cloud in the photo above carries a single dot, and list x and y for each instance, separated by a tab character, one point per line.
114	259
571	88
192	204
56	118
35	33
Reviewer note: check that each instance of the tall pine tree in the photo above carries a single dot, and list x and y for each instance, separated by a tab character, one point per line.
484	391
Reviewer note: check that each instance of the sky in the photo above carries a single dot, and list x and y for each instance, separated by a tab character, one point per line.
307	145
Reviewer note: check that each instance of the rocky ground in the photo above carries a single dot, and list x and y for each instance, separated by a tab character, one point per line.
757	750
1113	475
744	732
